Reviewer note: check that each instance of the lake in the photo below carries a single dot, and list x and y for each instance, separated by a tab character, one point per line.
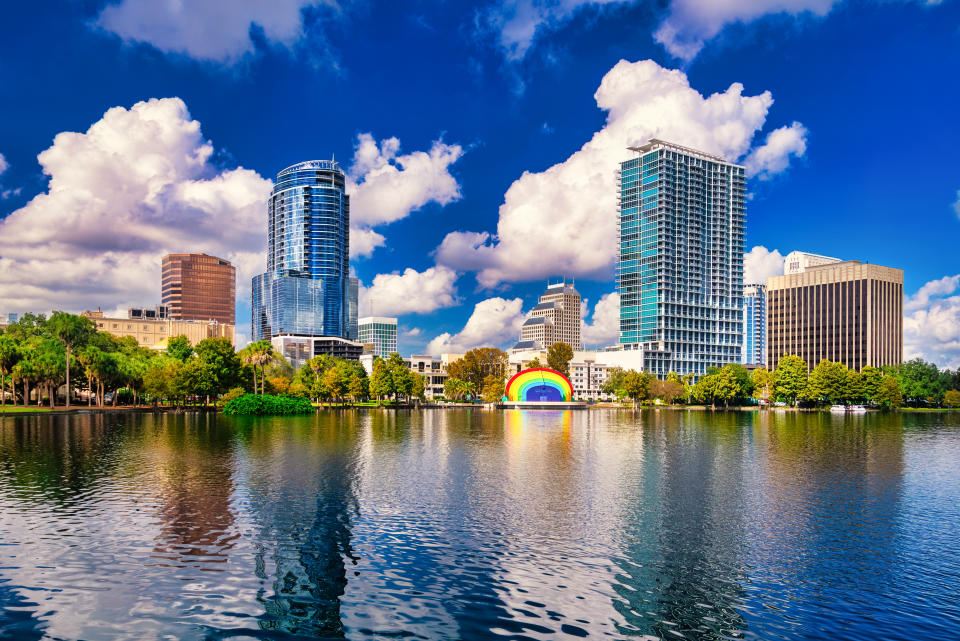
473	524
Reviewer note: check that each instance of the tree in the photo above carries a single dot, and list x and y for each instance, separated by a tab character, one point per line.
195	378
827	383
889	396
179	347
951	398
637	386
613	384
920	381
457	389
9	356
72	331
479	363
381	380
559	356
418	389
359	385
336	381
762	383
224	363
259	354
853	391
790	378
743	383
667	390
493	389
870	378
534	363
401	374
158	380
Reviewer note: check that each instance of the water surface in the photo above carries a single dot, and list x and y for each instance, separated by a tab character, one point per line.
462	524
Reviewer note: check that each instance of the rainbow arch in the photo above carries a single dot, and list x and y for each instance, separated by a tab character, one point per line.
539	385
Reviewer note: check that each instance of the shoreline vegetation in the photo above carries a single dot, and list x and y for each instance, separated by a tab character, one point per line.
321	407
64	362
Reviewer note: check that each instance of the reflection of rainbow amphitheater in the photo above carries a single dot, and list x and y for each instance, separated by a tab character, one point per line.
540	388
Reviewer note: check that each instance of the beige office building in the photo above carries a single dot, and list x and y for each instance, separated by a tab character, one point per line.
847	312
555	319
152	329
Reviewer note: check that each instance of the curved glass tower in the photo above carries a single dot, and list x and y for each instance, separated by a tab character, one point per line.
307	288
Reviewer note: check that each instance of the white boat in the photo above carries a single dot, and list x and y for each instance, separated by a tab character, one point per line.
859	409
838	408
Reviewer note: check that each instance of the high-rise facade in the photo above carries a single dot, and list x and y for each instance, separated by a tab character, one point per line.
307	289
199	287
381	331
846	312
555	319
680	269
754	325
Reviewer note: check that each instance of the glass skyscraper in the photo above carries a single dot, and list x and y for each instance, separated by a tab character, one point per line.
680	267
380	331
755	325
307	288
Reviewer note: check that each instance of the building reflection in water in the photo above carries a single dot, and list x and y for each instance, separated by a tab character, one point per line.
681	571
309	574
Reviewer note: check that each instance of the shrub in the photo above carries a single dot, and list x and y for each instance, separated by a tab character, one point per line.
235	392
267	405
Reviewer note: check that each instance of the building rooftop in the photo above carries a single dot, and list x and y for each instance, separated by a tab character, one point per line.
539	320
377	319
327	165
656	143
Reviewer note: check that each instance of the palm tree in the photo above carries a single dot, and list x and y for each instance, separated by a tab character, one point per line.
258	354
72	331
9	356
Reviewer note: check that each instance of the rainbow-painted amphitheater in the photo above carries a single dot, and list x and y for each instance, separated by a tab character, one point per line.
540	386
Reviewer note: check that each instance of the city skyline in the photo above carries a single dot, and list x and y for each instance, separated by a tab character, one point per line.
492	170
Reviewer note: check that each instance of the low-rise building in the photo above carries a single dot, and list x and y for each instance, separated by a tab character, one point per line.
153	331
299	349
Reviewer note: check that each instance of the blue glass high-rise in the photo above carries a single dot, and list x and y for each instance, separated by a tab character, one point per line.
680	267
755	324
307	288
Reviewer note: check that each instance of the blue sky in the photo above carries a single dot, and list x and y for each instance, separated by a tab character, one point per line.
509	113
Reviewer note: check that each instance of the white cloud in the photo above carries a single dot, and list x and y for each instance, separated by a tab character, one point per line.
494	322
956	205
760	263
563	219
213	30
518	23
4	165
931	324
6	193
385	187
604	326
773	156
933	289
137	184
410	292
691	23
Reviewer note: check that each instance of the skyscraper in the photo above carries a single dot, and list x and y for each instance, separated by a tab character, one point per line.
555	319
382	332
199	287
755	325
846	312
307	289
680	267
797	262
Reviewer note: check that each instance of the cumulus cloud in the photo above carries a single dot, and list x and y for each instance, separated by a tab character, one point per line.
774	155
409	292
6	193
137	184
931	290
604	326
931	324
4	165
956	204
517	23
562	220
760	263
385	186
494	322
212	30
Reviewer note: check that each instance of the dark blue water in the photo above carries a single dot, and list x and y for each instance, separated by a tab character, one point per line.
481	525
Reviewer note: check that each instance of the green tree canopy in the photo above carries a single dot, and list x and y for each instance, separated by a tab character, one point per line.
790	378
559	356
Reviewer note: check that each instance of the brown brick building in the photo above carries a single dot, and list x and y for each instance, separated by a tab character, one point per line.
847	312
199	287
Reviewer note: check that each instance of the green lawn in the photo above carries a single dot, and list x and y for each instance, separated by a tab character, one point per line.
11	409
